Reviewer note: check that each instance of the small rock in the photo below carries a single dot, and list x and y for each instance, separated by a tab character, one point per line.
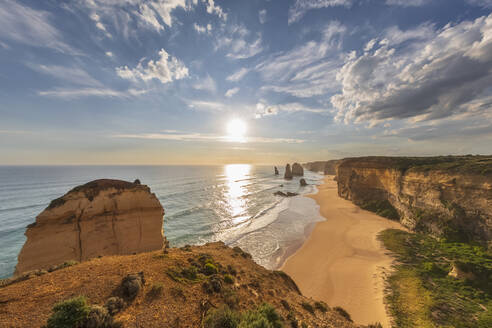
302	182
283	194
137	181
276	170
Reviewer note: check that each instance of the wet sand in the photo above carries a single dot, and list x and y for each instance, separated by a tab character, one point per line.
342	262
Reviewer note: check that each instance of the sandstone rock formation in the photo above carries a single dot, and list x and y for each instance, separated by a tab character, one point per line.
102	217
297	170
276	170
440	195
303	183
288	172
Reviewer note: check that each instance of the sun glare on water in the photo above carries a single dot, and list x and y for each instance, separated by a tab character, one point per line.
236	131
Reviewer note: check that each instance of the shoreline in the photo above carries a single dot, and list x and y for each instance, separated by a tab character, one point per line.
341	262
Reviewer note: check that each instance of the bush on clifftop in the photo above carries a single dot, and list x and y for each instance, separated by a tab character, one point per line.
265	316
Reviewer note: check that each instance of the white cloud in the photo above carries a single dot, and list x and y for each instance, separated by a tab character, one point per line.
236	76
69	74
212	8
239	43
90	92
109	53
263	109
231	92
206	84
435	75
166	69
213	106
308	69
202	29
152	14
407	3
148	17
262	16
32	27
194	137
297	11
95	17
481	3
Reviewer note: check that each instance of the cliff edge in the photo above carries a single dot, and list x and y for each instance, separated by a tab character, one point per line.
102	217
446	196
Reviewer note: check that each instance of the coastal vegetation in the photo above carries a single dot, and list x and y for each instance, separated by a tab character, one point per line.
221	287
438	283
467	164
382	208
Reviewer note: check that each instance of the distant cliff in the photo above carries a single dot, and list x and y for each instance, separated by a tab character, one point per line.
102	217
327	167
449	195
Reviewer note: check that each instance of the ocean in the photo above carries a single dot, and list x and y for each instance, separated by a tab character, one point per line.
232	203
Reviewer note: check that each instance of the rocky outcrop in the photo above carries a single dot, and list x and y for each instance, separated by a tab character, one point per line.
449	196
276	170
297	170
287	194
102	217
303	182
288	172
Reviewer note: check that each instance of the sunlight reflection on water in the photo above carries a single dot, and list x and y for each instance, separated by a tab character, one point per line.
237	175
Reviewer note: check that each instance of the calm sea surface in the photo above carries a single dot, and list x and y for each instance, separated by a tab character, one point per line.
232	203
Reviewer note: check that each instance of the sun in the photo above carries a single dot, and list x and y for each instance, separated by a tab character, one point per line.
236	130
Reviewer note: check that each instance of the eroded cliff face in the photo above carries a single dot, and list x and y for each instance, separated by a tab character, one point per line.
327	167
102	217
435	200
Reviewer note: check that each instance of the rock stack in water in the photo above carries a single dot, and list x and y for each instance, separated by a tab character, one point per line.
288	172
276	170
102	217
297	170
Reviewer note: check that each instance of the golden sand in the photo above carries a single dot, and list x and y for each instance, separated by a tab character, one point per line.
342	262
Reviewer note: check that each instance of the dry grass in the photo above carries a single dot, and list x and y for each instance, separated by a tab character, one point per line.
29	303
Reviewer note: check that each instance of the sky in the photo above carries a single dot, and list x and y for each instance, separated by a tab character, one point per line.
157	81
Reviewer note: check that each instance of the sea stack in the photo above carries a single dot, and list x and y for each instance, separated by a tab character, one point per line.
276	170
102	217
288	172
303	182
297	170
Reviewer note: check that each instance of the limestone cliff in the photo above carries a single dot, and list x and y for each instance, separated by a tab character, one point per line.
441	195
102	217
327	167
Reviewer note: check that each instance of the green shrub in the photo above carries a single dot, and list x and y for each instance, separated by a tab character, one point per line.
321	306
308	307
209	269
230	298
375	325
228	279
265	316
156	289
69	313
342	312
223	317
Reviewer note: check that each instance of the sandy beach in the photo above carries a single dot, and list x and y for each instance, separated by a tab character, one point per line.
342	262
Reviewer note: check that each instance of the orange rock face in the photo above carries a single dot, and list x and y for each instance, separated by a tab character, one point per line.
102	217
